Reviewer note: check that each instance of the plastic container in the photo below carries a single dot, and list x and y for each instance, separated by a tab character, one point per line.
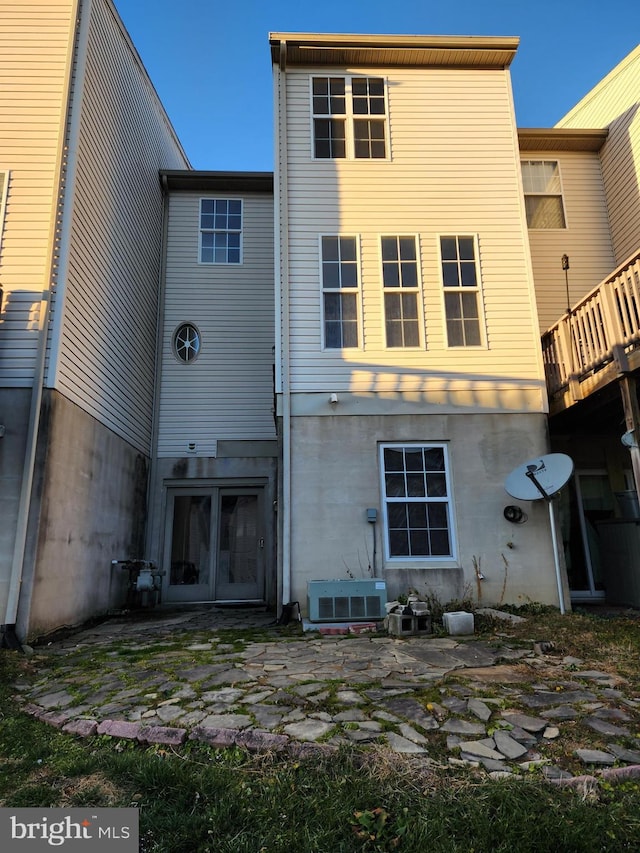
458	623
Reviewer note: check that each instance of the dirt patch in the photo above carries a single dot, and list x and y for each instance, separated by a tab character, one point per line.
500	674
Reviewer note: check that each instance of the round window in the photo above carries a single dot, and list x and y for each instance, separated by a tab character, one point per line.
186	342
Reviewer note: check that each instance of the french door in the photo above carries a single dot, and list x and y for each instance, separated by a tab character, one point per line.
214	547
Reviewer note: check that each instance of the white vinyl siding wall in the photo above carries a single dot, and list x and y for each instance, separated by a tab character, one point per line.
585	240
453	169
226	393
615	103
34	40
108	333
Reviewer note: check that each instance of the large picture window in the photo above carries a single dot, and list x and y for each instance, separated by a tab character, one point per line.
543	194
417	501
340	291
220	231
401	289
461	283
349	118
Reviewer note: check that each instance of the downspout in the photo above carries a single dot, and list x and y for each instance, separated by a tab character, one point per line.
282	306
58	253
153	466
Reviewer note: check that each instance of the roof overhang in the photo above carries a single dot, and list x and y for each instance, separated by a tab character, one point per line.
560	139
197	181
495	52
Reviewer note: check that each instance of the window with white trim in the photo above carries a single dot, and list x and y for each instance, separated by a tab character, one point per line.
349	118
220	230
401	289
461	283
340	291
543	194
417	501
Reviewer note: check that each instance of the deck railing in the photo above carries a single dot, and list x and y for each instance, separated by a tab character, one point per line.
601	328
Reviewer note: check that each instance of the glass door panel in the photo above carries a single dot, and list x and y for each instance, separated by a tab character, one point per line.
239	572
190	565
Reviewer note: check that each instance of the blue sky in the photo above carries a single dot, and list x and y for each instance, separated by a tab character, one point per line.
210	63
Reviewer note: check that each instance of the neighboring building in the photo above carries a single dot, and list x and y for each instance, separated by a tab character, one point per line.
592	353
409	378
259	380
83	138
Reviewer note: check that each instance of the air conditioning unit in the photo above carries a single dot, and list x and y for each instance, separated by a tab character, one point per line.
346	600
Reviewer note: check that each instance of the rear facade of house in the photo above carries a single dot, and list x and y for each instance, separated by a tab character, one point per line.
256	380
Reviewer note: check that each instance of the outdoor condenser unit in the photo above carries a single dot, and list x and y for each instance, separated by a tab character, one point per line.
346	600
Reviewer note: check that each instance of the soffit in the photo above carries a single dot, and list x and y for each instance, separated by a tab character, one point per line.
496	52
560	139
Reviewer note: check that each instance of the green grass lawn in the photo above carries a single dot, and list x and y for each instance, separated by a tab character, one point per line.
199	799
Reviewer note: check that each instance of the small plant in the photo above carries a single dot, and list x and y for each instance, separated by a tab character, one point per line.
377	832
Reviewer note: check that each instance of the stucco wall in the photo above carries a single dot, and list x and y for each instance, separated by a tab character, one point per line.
335	478
89	495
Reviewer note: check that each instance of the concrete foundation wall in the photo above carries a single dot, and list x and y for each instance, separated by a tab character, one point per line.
88	508
335	478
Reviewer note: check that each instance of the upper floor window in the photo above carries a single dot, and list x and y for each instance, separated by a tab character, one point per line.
349	118
417	501
401	289
220	231
340	291
543	194
461	283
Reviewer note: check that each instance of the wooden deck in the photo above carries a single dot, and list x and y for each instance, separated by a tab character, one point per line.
597	341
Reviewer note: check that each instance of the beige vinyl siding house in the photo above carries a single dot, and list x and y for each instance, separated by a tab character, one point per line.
80	267
614	104
465	390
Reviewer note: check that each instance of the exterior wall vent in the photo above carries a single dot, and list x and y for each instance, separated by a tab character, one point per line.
346	600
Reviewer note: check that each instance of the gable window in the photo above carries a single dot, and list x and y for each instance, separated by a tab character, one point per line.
340	292
460	281
220	231
417	501
543	194
400	283
349	118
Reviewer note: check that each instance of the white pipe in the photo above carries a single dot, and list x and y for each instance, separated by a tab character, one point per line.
556	557
282	312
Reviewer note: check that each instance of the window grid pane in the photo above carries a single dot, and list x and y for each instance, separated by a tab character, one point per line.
461	292
417	502
400	281
344	125
340	286
220	231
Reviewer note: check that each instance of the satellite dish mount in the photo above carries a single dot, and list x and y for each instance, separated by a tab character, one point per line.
541	479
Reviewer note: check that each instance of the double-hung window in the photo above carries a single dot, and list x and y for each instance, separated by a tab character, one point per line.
220	231
417	501
461	283
543	194
340	291
401	291
349	118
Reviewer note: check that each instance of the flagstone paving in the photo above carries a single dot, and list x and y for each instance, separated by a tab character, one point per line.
170	677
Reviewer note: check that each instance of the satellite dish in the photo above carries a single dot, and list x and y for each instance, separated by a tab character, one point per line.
540	478
629	439
543	477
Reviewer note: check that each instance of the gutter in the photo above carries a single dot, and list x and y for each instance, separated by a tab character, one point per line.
282	314
58	255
